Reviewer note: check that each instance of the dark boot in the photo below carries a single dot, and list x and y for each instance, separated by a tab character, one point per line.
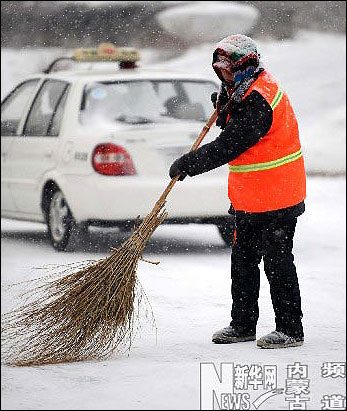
233	334
277	339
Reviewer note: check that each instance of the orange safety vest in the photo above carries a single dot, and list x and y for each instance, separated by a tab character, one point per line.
271	174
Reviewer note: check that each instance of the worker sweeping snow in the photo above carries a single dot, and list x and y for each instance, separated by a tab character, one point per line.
266	187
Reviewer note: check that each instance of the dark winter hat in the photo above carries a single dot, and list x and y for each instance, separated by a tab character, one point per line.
235	53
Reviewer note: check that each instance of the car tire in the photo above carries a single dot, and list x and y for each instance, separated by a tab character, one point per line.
226	230
63	231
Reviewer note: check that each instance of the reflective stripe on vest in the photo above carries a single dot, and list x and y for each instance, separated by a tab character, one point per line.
267	165
276	99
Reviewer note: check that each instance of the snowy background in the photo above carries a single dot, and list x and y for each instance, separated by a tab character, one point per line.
190	289
311	68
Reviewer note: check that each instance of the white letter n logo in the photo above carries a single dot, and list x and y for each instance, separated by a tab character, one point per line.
212	385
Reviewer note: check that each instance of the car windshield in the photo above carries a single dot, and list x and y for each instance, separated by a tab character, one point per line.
146	101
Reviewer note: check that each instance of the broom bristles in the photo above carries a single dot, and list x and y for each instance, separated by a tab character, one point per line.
90	313
83	315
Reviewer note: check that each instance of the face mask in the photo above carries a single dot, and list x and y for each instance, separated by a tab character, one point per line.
241	76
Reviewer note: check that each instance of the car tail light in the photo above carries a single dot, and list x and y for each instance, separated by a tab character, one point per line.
112	160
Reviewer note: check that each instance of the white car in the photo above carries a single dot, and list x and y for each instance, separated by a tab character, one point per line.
94	146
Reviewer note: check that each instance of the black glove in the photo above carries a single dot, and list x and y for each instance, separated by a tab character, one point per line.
214	97
220	101
177	169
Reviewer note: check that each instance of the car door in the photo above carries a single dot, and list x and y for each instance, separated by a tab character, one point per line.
36	152
13	109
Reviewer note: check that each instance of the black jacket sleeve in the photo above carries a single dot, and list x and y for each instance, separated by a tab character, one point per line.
250	121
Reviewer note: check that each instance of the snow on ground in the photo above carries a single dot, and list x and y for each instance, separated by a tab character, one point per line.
190	295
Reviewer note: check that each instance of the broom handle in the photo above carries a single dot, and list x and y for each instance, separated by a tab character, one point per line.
196	144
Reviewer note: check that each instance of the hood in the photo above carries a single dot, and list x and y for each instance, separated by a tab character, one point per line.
235	53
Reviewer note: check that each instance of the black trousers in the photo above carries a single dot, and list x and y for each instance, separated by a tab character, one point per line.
272	241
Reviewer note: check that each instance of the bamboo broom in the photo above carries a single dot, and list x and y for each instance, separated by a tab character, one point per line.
85	314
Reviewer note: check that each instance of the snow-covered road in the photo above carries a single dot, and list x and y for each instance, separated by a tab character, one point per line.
190	296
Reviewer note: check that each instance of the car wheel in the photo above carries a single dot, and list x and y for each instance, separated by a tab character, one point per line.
62	228
226	229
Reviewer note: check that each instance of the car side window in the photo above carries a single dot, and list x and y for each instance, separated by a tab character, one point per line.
42	119
12	108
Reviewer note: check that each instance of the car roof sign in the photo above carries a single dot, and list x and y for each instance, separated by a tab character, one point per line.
107	52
